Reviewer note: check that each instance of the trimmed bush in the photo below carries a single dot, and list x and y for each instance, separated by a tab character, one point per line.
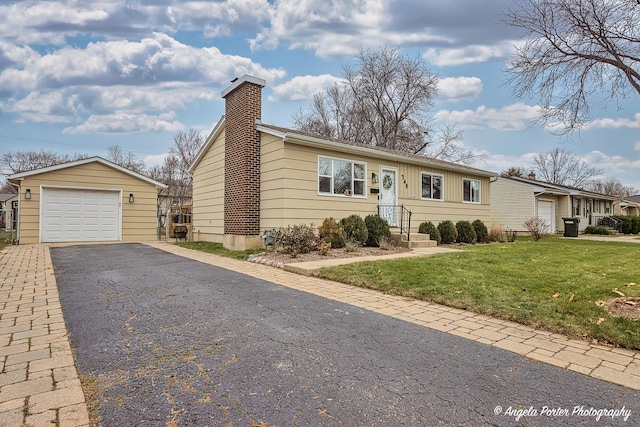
482	234
596	230
635	224
427	227
354	229
299	239
448	232
627	223
331	232
377	228
466	233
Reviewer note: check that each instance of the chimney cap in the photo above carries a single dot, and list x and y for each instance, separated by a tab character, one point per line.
244	79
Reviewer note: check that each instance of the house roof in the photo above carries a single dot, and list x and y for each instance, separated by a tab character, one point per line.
96	159
548	188
635	198
295	136
7	196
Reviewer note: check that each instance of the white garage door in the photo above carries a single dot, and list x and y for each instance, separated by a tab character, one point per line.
545	212
70	215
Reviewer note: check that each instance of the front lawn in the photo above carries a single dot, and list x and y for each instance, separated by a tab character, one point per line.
218	249
554	284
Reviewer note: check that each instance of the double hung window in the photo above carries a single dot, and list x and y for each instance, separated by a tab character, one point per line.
432	186
341	177
471	191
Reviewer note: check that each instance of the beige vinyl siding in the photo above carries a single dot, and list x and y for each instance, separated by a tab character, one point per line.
273	168
511	203
294	199
208	194
139	219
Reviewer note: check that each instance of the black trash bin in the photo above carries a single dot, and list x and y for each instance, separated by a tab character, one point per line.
571	226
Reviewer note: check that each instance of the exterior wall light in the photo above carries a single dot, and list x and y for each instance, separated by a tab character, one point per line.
131	198
374	178
27	194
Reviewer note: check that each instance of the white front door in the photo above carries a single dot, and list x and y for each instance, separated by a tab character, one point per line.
388	196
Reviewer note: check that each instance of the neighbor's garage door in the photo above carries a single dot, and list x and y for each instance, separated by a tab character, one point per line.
545	212
70	215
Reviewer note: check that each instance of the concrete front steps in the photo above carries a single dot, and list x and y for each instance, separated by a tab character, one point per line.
416	240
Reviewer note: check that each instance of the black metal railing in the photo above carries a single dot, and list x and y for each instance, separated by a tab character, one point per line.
609	221
397	216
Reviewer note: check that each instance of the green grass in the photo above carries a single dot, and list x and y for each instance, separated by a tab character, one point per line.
218	249
527	282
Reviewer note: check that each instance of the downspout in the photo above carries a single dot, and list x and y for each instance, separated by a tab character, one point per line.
17	186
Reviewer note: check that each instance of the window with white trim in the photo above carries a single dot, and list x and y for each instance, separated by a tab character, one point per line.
607	207
471	190
576	206
340	177
432	186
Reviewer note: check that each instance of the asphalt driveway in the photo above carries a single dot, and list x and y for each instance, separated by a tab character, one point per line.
172	341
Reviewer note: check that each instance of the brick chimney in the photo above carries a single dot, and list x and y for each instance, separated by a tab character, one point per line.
532	175
243	106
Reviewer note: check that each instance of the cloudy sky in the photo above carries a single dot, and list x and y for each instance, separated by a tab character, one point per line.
80	76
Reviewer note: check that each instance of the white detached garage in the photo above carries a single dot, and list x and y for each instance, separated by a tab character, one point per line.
89	200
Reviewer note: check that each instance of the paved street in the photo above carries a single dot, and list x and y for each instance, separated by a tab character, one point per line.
175	341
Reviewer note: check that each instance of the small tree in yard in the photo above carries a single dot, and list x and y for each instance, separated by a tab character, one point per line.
536	227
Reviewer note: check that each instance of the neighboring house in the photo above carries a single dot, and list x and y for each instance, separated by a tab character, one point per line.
89	200
250	177
7	210
515	199
628	206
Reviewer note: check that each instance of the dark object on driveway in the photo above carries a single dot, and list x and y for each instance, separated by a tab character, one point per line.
571	226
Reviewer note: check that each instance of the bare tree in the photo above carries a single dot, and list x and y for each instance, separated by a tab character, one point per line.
6	188
514	171
577	53
174	172
128	160
610	187
21	161
385	100
561	167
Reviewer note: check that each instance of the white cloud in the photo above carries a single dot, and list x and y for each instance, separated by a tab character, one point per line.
500	162
509	118
150	61
117	79
127	123
608	123
155	160
302	87
338	27
612	164
467	54
459	88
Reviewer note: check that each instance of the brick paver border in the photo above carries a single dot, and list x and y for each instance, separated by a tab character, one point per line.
39	383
